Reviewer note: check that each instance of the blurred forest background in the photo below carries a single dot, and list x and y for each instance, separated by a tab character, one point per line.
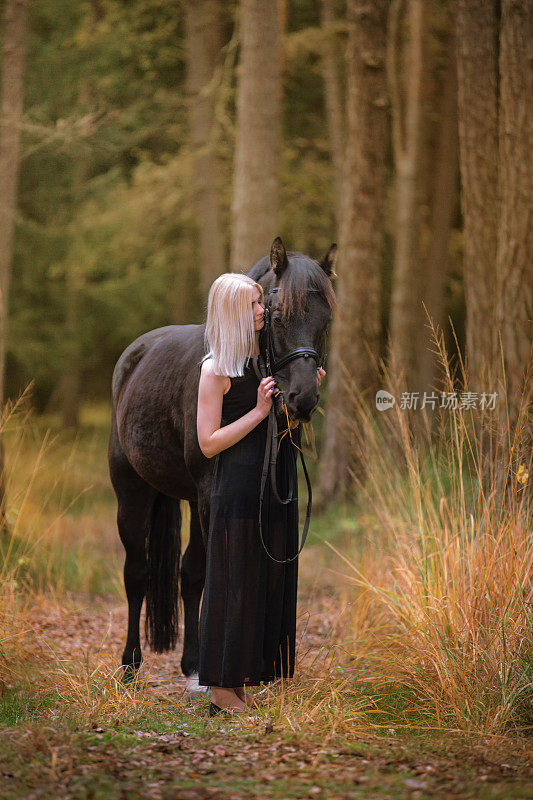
147	146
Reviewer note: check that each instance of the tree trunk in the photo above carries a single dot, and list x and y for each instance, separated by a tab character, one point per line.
13	69
257	150
70	384
186	288
330	71
11	108
283	22
515	230
477	69
442	208
203	47
71	379
355	334
406	316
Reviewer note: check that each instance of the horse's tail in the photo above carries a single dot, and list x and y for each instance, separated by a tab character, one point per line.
163	552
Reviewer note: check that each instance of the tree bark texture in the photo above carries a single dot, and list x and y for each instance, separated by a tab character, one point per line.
477	68
443	202
406	318
496	138
11	109
71	381
355	334
203	48
515	230
332	92
12	98
257	151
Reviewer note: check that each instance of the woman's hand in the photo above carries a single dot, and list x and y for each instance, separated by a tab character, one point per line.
264	396
320	373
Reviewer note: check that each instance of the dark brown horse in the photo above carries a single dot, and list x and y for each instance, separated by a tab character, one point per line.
155	460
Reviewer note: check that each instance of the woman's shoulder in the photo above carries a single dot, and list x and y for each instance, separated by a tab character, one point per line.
208	370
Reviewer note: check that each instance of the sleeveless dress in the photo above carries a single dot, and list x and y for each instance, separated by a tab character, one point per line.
248	613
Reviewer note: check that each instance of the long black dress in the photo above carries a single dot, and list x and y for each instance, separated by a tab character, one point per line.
248	613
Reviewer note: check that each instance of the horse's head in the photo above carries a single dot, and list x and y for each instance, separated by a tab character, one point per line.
299	303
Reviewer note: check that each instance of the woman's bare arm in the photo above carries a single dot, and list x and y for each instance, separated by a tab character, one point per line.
211	437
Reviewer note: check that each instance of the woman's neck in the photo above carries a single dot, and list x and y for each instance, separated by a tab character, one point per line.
255	351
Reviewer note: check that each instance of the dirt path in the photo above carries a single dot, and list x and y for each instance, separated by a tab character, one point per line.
177	753
89	625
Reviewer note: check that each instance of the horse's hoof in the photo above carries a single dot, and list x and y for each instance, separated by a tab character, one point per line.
129	674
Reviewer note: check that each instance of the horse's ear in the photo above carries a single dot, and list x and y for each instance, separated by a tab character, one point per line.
278	257
328	262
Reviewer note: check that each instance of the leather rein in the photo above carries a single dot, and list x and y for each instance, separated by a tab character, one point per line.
267	364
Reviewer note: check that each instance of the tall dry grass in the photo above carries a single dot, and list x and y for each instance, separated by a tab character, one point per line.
61	534
443	618
52	544
440	630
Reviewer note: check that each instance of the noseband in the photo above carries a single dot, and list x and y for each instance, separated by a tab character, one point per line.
266	364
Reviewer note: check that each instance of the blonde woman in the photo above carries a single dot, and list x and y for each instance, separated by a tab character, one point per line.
248	613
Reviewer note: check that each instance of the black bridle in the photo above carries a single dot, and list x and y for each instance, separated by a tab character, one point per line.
273	364
266	364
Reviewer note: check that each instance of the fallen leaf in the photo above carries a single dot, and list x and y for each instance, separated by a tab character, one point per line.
412	783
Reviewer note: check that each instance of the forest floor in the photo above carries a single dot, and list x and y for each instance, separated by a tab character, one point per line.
70	729
169	748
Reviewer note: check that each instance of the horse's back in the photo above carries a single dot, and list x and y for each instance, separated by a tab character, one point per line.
155	389
183	340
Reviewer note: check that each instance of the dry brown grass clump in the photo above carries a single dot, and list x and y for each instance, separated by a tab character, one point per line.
44	551
443	619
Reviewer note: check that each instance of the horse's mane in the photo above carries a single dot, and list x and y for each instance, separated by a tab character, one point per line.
302	273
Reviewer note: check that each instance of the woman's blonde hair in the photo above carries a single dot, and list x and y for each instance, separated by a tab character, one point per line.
230	329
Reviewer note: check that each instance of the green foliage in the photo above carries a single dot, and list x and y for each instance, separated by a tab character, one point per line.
106	238
104	219
106	242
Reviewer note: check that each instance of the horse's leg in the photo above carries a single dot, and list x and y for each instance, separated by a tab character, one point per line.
135	503
192	583
132	518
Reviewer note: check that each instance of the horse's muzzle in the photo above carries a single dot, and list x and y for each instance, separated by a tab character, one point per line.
300	406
